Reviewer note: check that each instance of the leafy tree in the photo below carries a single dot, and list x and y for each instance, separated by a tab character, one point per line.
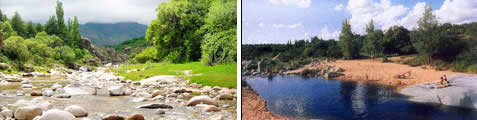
15	49
17	24
51	26
75	32
1	17
7	30
433	41
38	28
65	53
373	45
349	43
176	30
61	20
148	54
397	40
30	30
220	40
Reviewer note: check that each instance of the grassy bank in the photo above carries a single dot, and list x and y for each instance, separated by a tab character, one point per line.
218	75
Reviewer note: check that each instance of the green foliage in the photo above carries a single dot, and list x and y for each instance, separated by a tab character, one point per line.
17	24
65	53
176	29
397	40
61	20
15	49
7	30
148	54
1	17
30	31
373	45
220	40
350	44
51	26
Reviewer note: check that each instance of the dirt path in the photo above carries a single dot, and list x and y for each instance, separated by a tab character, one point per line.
386	73
254	107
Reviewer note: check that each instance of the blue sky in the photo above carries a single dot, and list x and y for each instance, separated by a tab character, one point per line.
277	21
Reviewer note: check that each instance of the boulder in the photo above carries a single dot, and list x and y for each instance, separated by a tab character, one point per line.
136	116
56	86
20	93
155	106
461	93
4	66
41	102
182	90
6	113
3	82
330	75
36	93
201	100
216	88
156	93
79	89
113	117
171	95
77	111
25	81
48	92
27	113
225	96
55	114
116	90
160	79
139	99
160	112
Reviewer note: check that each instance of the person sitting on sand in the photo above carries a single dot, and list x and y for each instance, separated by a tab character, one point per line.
445	79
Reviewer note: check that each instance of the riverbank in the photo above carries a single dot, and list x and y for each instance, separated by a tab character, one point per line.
254	107
374	70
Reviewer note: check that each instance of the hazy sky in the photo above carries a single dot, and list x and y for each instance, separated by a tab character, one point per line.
277	21
104	11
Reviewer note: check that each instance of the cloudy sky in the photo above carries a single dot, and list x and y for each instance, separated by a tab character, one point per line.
103	11
277	21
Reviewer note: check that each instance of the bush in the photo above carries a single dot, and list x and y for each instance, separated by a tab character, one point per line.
148	54
65	53
16	49
176	56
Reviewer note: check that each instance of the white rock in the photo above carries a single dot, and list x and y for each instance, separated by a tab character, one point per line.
55	114
6	113
116	91
27	86
48	92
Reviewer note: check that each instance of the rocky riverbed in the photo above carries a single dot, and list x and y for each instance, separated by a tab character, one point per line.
101	95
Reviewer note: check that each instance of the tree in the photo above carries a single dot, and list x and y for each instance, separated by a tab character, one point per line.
397	40
7	30
51	26
434	41
17	24
38	28
1	17
30	30
220	40
75	32
176	31
349	43
373	45
61	20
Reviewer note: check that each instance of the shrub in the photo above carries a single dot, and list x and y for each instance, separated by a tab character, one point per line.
16	49
148	54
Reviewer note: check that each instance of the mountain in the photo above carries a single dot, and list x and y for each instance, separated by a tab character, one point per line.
105	34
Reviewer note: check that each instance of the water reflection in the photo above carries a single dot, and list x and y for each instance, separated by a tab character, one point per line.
307	98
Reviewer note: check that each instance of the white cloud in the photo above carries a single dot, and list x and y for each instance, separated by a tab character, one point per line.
383	13
326	34
261	24
106	11
292	26
339	7
298	3
410	20
457	11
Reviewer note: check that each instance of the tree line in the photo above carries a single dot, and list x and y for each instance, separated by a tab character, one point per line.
28	45
186	31
442	45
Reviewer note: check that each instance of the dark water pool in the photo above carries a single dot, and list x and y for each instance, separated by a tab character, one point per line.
310	98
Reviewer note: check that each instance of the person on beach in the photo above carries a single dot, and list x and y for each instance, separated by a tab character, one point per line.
444	80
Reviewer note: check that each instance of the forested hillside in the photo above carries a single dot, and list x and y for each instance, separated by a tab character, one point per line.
112	34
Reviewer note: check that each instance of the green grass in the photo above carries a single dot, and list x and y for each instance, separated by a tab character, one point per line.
218	75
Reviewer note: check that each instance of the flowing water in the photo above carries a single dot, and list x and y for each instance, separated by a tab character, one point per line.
100	106
315	98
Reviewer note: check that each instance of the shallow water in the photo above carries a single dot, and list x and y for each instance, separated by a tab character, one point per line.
310	98
100	106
